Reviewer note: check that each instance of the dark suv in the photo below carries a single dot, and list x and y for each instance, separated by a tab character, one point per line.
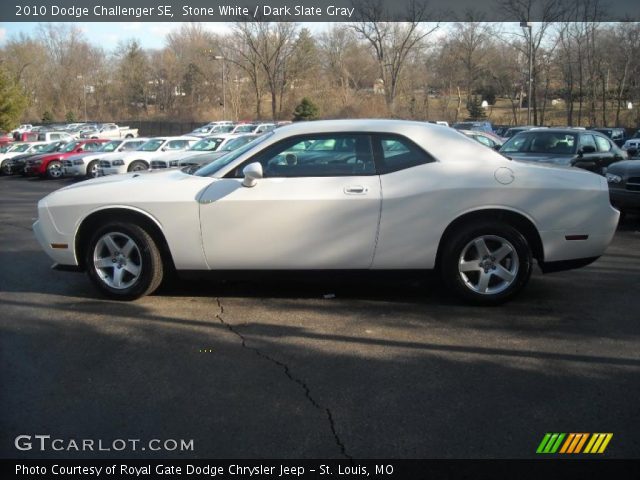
564	146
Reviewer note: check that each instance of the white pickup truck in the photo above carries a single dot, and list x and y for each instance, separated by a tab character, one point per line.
110	130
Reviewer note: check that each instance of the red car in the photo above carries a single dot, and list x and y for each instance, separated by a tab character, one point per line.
5	138
49	165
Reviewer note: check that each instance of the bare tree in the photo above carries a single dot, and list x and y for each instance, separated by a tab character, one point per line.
392	42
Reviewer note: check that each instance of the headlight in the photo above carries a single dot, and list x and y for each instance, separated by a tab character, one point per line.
173	163
36	162
117	163
611	178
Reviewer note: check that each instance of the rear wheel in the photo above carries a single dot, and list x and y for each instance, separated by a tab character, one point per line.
5	169
123	261
54	170
92	169
486	263
137	166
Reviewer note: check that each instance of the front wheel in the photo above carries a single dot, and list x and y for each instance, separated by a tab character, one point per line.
5	168
137	166
486	263
92	169
54	170
123	261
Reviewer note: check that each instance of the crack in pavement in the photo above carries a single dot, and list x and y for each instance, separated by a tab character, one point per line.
290	376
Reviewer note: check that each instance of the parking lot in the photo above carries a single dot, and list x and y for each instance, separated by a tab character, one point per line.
366	367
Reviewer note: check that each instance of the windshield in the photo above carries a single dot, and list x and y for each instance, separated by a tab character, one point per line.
69	147
202	130
110	146
557	143
231	145
40	148
20	148
207	144
225	160
51	147
245	129
151	145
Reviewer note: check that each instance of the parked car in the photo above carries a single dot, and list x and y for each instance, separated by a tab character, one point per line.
231	144
208	130
17	149
510	132
485	138
564	146
110	131
632	145
140	159
206	145
85	164
52	136
254	128
49	165
615	134
408	196
24	128
17	164
624	185
5	138
482	126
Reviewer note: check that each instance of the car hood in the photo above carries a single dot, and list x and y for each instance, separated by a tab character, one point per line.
177	155
77	156
47	156
625	167
136	189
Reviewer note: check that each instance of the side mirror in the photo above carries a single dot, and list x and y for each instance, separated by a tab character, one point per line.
252	173
79	149
587	149
497	147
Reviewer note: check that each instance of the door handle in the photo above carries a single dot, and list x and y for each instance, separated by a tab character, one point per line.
355	190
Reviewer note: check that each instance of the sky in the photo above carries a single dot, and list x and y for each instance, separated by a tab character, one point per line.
108	34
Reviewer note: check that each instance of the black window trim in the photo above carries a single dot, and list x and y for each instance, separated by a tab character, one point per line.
374	144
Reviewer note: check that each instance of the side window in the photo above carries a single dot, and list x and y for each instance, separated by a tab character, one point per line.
484	140
341	155
54	136
399	153
603	144
587	141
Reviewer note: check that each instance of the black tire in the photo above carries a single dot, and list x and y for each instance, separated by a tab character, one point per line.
138	166
92	169
492	280
128	135
54	170
145	257
5	169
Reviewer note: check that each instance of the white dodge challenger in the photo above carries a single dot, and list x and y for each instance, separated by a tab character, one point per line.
336	195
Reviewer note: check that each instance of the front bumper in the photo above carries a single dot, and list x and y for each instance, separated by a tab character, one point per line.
75	171
34	170
59	247
112	170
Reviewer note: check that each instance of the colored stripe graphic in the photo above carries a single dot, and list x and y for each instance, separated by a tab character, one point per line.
550	443
573	443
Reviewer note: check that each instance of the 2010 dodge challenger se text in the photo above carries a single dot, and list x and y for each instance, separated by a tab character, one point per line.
333	195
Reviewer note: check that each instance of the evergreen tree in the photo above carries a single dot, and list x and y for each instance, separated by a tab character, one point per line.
306	110
12	103
476	112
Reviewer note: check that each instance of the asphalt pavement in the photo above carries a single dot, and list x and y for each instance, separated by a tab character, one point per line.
366	367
